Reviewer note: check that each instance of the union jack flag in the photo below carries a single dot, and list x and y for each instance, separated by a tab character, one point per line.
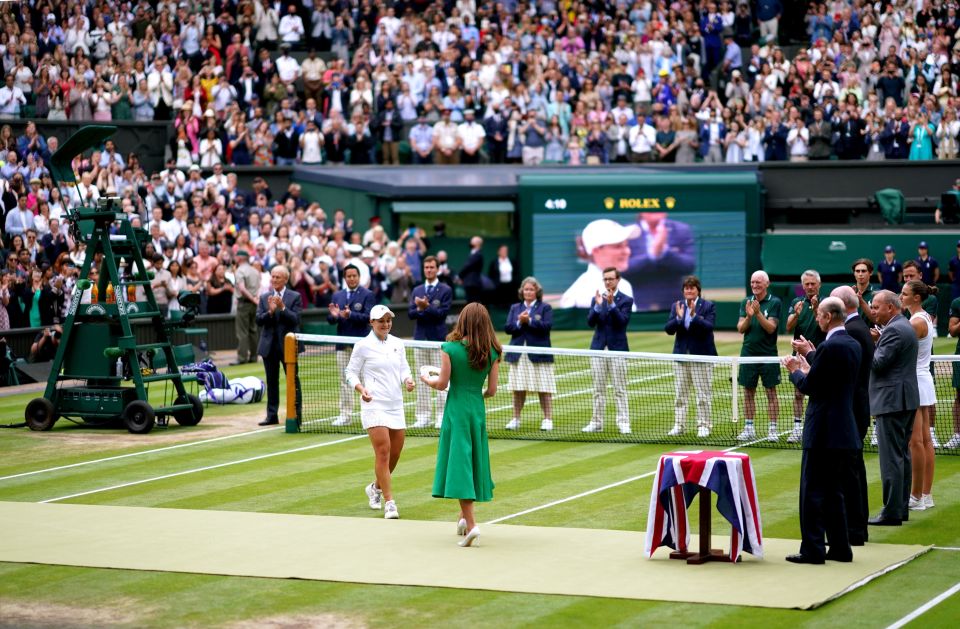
679	478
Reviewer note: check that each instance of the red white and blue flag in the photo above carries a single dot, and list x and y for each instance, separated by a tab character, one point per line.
679	477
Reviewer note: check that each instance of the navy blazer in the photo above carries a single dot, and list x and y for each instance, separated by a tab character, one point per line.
830	384
698	339
536	333
273	328
857	329
472	270
358	324
610	323
431	323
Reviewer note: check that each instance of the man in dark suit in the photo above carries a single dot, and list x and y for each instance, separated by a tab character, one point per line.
278	313
691	322
609	317
894	398
350	310
894	138
429	306
662	252
829	436
855	493
496	128
471	273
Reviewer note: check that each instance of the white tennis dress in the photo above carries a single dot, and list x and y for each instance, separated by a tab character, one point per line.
382	367
928	394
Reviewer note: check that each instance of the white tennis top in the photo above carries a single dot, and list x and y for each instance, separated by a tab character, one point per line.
382	367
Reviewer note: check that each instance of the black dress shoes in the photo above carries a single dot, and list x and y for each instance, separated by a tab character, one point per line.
801	558
857	542
268	422
832	556
882	521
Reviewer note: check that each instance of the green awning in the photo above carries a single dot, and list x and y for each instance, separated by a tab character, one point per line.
451	207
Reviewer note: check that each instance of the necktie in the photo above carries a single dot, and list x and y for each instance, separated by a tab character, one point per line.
349	296
430	290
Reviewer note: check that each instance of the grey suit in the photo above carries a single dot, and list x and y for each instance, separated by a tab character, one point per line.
894	398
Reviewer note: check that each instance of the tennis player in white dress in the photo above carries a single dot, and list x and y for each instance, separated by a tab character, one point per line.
378	370
922	453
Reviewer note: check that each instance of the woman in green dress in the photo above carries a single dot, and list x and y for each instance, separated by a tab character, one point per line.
470	355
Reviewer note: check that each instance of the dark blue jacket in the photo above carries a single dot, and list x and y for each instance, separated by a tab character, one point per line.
536	333
655	280
274	328
776	143
431	322
610	323
358	324
698	339
830	384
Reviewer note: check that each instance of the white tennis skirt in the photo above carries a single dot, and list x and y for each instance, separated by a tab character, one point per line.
526	375
928	394
375	417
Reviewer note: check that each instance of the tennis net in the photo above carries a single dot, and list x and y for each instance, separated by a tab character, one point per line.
641	394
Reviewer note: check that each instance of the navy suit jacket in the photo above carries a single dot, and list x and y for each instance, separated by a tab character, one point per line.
472	270
858	331
698	339
830	384
655	280
273	328
431	322
610	323
358	324
536	333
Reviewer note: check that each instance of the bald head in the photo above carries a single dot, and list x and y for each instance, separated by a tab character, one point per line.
848	296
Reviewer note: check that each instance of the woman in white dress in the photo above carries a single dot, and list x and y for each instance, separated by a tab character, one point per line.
378	370
921	445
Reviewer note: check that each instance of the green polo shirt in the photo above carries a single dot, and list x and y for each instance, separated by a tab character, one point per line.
756	342
930	305
807	322
867	297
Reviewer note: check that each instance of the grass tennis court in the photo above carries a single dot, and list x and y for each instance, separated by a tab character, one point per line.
258	470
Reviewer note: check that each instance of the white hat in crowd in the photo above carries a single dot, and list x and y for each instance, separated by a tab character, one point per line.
603	232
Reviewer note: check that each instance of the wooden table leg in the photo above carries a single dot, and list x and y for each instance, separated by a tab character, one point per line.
706	553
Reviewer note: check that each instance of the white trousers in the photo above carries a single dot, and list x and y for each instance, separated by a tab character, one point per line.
428	357
695	378
615	371
347	394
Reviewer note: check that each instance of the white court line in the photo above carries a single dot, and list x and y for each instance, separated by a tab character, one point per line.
132	454
207	468
604	488
925	607
946	548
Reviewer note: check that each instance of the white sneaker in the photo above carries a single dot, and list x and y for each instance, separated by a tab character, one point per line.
422	422
546	424
933	438
593	426
748	434
374	495
954	442
676	431
343	420
796	434
624	427
390	511
916	504
513	424
927	500
873	436
703	432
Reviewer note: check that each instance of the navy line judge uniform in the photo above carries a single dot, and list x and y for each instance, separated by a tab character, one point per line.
273	329
430	325
830	443
358	302
609	323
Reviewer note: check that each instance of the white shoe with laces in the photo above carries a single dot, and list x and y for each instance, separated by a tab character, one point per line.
513	424
927	501
374	496
546	424
873	436
390	511
954	442
676	431
747	434
916	504
422	422
624	428
703	432
343	420
593	426
933	438
796	434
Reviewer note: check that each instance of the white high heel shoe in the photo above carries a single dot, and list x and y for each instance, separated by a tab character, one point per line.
473	537
462	527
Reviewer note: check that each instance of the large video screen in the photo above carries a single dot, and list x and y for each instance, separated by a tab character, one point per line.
653	252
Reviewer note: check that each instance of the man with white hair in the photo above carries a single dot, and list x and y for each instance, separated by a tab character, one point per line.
759	317
605	243
802	321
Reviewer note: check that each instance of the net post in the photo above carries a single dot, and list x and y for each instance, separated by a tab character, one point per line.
292	424
734	391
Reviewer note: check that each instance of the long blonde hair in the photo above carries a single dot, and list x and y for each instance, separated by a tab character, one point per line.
474	327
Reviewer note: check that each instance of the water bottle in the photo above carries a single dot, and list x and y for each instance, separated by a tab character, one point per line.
120	367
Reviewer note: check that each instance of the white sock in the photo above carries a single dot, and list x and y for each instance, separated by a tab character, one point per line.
797	421
748	423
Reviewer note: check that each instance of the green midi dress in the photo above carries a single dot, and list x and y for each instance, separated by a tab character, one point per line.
463	455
